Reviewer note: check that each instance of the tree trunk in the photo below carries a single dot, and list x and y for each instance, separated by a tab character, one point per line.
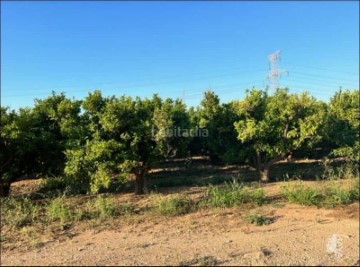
139	184
4	189
289	157
264	174
263	169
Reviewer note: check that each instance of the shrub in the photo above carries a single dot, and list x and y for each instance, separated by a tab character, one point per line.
233	194
57	210
256	218
302	195
174	206
105	207
329	195
18	212
344	171
335	195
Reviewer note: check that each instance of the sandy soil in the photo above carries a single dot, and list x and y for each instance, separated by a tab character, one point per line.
298	236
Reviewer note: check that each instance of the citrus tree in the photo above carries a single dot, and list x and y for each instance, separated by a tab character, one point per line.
274	126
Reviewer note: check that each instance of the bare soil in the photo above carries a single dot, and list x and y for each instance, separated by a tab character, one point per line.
297	236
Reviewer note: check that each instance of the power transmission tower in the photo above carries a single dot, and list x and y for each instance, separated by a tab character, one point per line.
274	72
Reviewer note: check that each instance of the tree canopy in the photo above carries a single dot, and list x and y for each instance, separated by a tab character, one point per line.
89	142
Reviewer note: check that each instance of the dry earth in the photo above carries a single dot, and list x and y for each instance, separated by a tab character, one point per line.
298	236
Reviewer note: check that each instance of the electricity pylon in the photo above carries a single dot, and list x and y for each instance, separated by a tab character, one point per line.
274	73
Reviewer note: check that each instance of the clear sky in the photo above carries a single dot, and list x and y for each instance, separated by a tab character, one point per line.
177	49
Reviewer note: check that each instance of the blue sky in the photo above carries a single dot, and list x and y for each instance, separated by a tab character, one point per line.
176	49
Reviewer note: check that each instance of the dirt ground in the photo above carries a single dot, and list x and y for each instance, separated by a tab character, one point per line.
298	236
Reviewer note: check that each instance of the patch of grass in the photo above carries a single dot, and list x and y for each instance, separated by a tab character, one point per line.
256	218
327	195
127	209
344	171
201	261
302	195
207	261
58	210
334	195
32	237
277	205
19	212
105	207
174	206
233	194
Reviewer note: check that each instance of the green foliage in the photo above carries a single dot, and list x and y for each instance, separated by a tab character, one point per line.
273	126
88	143
221	144
329	195
342	124
334	195
168	118
58	210
174	206
105	206
92	164
233	194
344	171
128	123
256	218
300	194
18	212
33	140
99	208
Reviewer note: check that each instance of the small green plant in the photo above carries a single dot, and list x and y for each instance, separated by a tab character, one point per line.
335	195
329	195
127	209
256	218
302	195
174	206
57	210
354	189
328	170
344	171
348	170
277	205
200	261
105	207
19	212
232	194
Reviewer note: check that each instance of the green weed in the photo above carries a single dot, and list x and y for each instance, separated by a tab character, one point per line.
256	218
328	195
19	212
174	206
105	207
233	194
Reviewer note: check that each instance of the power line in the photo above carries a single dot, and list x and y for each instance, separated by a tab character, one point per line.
316	76
135	85
325	69
307	81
